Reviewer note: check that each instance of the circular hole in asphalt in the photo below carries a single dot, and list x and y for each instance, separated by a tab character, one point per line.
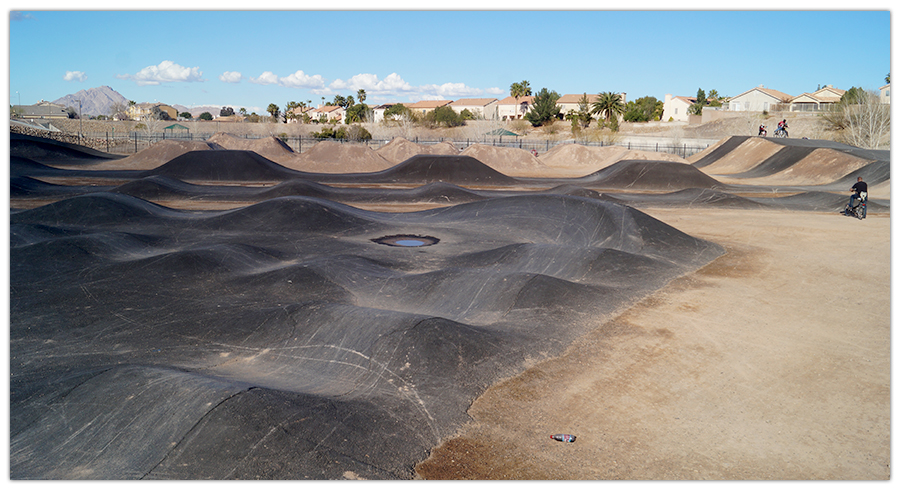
408	241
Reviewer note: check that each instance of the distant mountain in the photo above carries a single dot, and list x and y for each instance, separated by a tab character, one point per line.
99	101
196	110
95	101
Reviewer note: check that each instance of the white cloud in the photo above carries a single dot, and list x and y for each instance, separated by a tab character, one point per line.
15	15
391	85
167	71
231	77
297	80
265	78
449	90
75	75
300	80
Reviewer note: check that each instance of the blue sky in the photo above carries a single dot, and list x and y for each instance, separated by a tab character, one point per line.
252	58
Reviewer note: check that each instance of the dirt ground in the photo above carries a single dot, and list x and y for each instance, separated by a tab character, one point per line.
772	362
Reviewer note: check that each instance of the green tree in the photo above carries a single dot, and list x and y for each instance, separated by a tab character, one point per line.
583	115
643	109
697	107
273	110
185	115
339	101
357	113
609	106
443	116
400	113
854	95
519	90
206	116
544	108
361	95
289	113
467	115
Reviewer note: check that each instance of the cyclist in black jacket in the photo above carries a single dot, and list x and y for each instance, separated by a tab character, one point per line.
860	191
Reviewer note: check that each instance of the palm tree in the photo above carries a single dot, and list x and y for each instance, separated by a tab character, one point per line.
609	105
518	90
361	95
273	109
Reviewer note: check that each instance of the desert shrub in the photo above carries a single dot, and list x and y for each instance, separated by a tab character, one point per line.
519	126
355	132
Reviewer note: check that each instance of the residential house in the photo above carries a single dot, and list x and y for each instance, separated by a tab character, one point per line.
759	99
144	111
378	111
42	110
296	114
426	106
482	108
885	97
675	108
817	101
569	102
514	108
330	112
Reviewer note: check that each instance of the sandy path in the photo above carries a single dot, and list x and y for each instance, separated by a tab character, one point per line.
772	362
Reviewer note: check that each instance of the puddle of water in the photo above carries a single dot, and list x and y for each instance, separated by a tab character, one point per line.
406	240
409	243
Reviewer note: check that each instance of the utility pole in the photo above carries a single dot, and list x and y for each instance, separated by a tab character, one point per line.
80	124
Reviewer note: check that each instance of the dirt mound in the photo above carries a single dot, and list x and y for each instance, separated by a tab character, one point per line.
267	147
820	167
334	157
576	160
400	149
650	175
508	160
156	155
747	155
51	151
580	158
463	170
223	165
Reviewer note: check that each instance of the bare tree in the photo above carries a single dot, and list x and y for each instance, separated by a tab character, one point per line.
118	110
862	122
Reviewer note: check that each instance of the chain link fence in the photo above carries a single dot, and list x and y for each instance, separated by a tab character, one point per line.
134	142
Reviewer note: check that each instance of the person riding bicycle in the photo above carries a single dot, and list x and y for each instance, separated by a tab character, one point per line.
782	128
860	192
762	130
